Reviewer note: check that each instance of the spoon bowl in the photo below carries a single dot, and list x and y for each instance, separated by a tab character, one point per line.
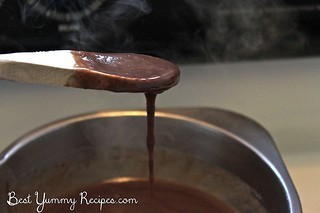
117	72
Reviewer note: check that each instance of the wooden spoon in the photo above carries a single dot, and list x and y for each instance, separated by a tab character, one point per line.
117	72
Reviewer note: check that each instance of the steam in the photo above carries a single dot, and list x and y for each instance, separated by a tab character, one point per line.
179	30
250	28
109	29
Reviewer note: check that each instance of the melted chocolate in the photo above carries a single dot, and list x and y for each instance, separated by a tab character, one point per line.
127	72
168	197
151	99
123	72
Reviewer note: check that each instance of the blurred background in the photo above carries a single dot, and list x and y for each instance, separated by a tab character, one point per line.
259	58
179	30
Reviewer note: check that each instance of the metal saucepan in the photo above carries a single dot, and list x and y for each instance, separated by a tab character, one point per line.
216	151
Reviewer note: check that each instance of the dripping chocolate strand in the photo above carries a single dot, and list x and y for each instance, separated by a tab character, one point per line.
150	99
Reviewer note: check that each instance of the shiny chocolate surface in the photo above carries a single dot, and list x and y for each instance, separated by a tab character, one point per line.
123	72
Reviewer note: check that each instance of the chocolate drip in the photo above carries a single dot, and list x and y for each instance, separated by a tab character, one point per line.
127	72
150	98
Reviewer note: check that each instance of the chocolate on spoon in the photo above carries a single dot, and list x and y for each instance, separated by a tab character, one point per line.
117	72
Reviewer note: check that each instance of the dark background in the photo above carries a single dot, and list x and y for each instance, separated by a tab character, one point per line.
178	30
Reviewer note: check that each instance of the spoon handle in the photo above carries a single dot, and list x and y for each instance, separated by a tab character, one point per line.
53	67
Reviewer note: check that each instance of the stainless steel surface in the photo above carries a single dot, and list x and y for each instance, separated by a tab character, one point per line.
256	137
231	156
